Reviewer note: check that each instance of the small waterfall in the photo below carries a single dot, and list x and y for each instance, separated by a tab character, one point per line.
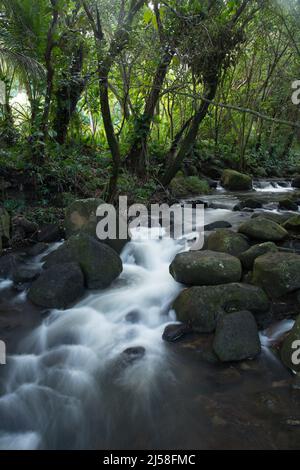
272	186
70	365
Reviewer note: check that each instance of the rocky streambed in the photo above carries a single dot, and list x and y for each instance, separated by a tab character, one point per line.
151	346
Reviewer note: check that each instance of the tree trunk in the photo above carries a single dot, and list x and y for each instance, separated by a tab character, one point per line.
68	95
137	156
109	129
188	142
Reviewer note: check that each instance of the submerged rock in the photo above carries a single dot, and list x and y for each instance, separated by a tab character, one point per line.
131	355
227	241
290	351
133	317
237	337
277	273
205	268
201	307
248	257
58	287
235	181
100	264
263	230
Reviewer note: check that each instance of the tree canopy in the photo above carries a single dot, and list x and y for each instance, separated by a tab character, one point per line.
139	90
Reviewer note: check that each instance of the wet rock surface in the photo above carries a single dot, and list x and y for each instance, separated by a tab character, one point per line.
58	287
237	337
201	307
100	264
235	181
262	229
205	268
173	333
227	241
248	257
277	273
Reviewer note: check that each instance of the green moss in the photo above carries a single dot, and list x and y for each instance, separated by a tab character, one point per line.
235	181
189	186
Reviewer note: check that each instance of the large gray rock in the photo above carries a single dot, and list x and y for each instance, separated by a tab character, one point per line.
277	273
236	337
58	287
201	307
263	230
290	351
235	181
205	268
227	241
81	218
100	264
248	257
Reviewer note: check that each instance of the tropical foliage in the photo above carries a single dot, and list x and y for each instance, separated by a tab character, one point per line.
98	92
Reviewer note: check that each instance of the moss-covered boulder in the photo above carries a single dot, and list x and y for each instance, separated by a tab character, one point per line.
58	287
290	351
277	273
263	230
250	203
182	186
288	204
81	217
248	257
237	337
227	241
293	224
100	264
202	307
205	268
274	216
235	181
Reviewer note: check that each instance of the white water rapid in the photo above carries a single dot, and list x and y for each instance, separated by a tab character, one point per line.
58	377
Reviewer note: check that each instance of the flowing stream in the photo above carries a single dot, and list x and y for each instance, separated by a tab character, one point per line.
99	376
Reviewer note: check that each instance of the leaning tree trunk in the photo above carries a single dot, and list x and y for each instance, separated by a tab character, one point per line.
137	156
109	128
175	163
